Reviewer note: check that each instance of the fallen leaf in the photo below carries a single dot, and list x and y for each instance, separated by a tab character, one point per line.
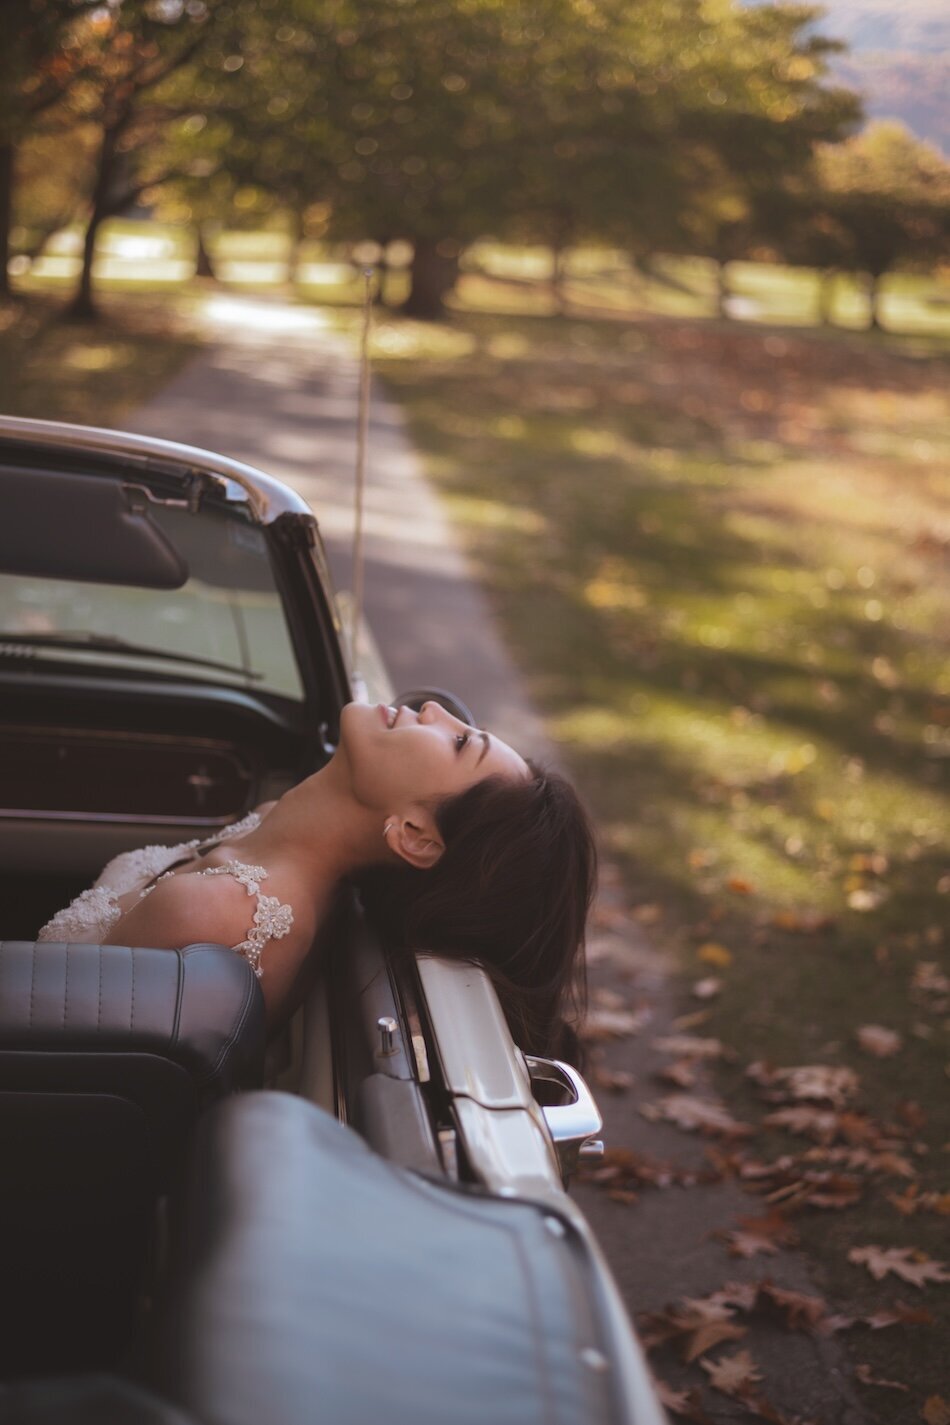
712	953
877	1040
707	988
699	1323
864	899
935	1411
758	1234
609	999
929	979
713	1333
866	1377
692	1047
739	886
685	1403
802	1312
613	1080
692	1021
821	1124
911	1266
699	1114
898	1315
802	922
733	1375
682	1073
648	914
613	1024
819	1083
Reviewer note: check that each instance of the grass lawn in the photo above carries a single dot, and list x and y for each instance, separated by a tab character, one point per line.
722	555
90	373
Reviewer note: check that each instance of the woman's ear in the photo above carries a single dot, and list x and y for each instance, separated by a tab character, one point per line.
415	839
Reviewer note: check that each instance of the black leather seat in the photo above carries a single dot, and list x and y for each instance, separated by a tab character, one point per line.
108	1054
313	1281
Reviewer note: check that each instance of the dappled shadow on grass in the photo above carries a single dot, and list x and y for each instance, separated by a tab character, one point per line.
737	646
90	373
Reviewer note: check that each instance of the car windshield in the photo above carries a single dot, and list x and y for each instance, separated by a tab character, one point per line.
226	624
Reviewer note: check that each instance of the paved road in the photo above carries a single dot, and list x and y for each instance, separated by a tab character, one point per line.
278	390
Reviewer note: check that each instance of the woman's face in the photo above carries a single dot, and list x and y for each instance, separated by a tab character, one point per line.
398	757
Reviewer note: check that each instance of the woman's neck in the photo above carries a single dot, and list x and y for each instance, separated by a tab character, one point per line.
319	828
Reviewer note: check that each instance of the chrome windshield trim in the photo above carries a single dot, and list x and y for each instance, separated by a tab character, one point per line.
267	497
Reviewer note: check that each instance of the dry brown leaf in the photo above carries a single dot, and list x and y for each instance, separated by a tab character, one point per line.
805	1083
693	1020
685	1403
864	898
875	1039
698	1323
898	1315
648	913
865	1375
692	1046
613	1080
935	1411
733	1375
801	1311
820	1124
739	886
759	1234
802	922
905	1262
929	979
712	953
710	1334
613	1023
696	1114
682	1073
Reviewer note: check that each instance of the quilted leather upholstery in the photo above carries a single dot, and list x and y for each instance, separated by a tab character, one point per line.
107	1056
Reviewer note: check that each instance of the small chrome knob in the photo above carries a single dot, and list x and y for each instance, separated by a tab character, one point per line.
593	1148
388	1029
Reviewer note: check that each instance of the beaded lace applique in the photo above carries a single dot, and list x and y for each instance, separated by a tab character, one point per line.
93	909
272	920
94	912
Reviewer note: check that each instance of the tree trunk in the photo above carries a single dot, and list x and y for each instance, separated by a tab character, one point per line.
432	276
558	263
826	296
293	251
6	215
204	267
83	306
874	302
723	292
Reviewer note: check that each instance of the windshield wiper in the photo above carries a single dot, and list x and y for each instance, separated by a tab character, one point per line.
111	643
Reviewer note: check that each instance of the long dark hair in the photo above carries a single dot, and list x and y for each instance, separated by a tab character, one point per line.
512	891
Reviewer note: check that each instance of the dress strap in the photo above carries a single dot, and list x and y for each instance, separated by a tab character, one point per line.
272	920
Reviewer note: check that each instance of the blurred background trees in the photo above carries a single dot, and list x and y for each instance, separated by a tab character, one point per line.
672	126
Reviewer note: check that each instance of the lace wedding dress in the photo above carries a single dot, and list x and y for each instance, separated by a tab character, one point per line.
89	918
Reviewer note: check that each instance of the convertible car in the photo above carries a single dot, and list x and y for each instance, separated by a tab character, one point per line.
364	1219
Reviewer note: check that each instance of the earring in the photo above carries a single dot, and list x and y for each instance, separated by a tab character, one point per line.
388	828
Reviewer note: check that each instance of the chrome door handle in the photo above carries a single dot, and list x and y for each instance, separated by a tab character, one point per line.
573	1125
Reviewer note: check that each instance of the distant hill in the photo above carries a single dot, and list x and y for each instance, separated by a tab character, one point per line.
898	59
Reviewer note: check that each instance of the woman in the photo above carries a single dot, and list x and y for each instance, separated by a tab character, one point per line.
463	847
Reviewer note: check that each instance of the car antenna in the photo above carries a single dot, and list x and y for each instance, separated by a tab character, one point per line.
362	439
